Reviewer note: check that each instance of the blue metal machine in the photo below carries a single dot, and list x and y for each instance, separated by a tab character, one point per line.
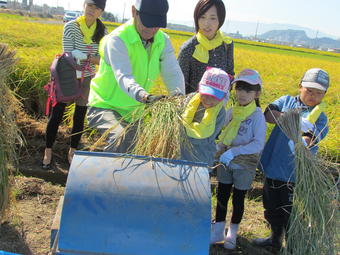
8	253
131	205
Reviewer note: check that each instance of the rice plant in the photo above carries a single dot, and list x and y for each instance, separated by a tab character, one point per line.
315	213
160	132
9	132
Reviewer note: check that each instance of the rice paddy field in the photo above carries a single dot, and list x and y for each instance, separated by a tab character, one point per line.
281	67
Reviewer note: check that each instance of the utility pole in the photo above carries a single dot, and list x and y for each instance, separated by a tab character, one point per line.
316	37
123	13
257	27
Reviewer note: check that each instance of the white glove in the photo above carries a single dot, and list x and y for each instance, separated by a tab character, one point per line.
306	125
79	55
226	157
291	145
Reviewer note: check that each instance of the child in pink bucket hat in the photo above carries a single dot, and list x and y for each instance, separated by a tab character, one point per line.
205	115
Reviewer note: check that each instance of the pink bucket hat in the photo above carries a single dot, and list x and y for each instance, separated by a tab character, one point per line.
215	82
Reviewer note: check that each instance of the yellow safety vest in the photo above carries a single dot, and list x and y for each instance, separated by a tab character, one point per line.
105	91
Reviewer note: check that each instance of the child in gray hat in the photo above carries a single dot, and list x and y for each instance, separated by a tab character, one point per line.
277	159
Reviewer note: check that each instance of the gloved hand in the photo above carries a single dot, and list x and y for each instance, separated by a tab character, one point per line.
291	145
306	125
152	98
176	94
226	157
79	55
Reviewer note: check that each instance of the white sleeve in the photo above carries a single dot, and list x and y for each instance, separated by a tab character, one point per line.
256	144
170	70
116	55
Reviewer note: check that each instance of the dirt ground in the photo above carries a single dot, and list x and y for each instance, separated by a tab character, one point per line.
25	228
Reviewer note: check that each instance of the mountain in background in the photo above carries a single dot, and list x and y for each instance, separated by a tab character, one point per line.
180	27
299	37
249	28
254	28
275	33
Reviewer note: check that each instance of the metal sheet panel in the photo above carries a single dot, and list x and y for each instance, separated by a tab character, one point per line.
120	204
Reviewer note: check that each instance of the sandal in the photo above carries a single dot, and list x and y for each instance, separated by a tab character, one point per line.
47	165
70	155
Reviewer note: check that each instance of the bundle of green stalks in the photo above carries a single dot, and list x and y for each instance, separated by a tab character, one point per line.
160	132
315	213
9	132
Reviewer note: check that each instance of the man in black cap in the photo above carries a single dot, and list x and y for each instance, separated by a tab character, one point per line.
99	3
133	56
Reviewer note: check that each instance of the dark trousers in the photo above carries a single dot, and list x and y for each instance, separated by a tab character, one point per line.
55	120
277	202
223	195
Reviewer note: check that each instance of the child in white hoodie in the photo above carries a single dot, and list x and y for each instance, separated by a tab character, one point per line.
240	142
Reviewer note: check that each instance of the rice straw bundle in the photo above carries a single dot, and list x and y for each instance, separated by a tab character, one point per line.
160	132
314	216
247	160
9	133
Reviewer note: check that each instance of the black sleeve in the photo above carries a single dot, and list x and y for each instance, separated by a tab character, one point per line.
185	62
230	58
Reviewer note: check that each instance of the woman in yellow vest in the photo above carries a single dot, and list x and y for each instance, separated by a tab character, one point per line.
132	58
209	47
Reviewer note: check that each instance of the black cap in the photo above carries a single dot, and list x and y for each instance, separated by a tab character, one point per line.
99	3
152	12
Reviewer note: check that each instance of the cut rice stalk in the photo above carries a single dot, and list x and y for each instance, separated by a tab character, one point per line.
9	132
315	213
160	132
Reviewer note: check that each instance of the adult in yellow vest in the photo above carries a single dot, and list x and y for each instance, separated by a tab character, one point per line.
132	58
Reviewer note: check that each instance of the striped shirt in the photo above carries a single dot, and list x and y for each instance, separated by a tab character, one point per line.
73	39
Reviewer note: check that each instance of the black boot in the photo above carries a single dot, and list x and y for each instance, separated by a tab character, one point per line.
274	240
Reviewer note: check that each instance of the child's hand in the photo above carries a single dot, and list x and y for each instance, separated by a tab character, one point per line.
291	144
307	141
79	55
226	157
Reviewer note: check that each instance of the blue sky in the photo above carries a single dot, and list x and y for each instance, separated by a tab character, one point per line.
315	14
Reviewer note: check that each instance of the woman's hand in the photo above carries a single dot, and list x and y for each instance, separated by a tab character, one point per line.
94	60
